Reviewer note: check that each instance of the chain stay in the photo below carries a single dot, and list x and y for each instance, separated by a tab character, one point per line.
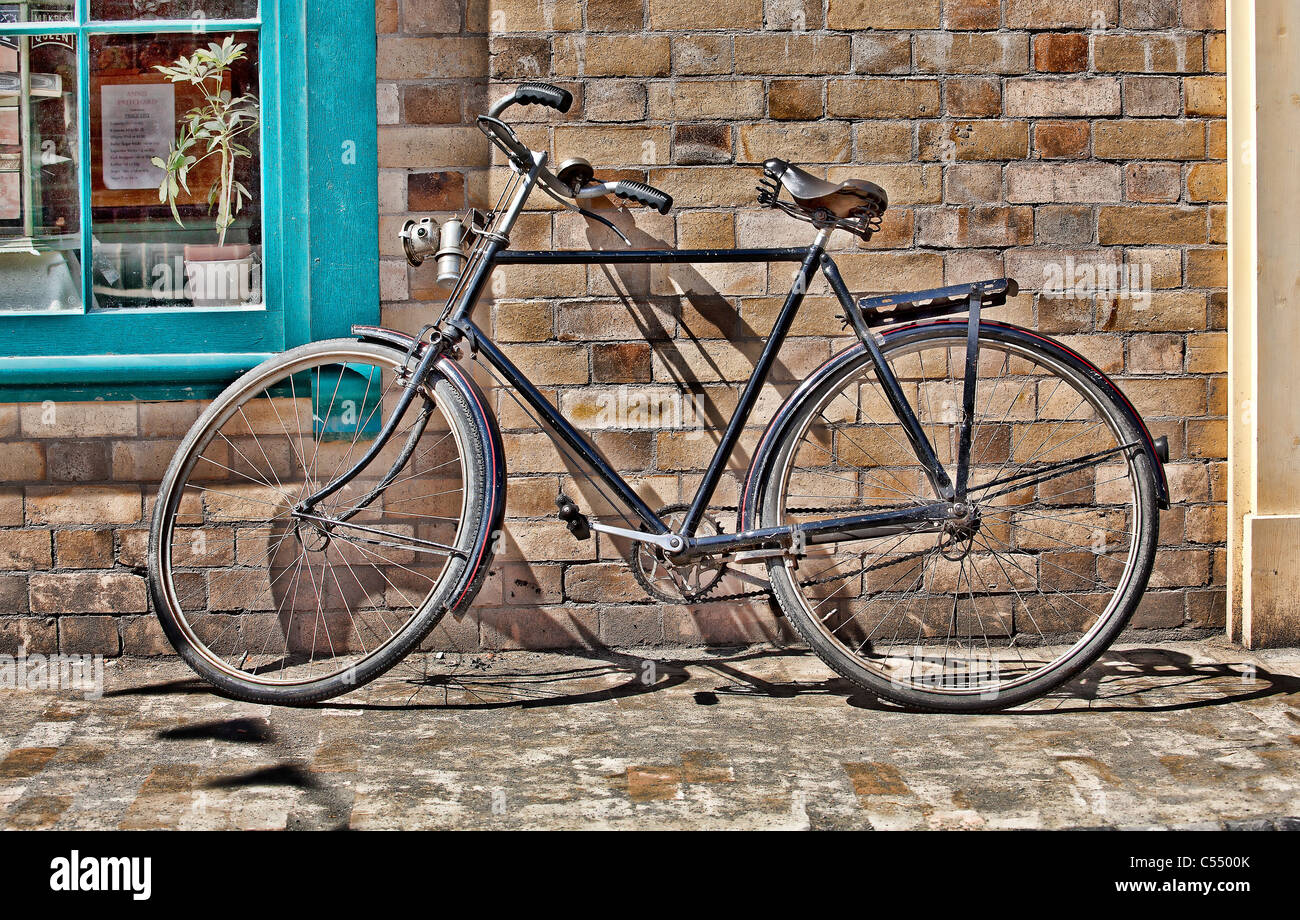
767	592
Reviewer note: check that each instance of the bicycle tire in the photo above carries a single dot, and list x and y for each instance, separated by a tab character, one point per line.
454	589
786	582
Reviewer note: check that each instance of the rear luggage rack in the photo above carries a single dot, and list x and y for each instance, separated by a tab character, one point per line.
905	308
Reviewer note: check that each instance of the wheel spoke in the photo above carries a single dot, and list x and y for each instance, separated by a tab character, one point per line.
951	616
276	600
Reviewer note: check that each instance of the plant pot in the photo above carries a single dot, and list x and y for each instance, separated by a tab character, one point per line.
219	276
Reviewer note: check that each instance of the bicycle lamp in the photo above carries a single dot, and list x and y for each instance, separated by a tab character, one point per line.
451	252
419	240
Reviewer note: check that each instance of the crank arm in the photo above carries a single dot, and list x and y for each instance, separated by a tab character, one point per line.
668	542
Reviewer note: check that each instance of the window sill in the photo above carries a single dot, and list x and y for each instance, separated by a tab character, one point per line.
83	378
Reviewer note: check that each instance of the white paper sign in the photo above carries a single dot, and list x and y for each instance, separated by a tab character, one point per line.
138	123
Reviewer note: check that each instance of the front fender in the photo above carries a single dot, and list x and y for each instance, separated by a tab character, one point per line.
781	421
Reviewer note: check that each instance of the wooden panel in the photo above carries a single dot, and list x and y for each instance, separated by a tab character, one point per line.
1272	552
344	168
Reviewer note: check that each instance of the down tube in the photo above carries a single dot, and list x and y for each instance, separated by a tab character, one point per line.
570	436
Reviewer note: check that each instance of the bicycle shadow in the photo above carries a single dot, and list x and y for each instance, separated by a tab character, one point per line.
1120	679
480	688
1148	679
635	286
529	689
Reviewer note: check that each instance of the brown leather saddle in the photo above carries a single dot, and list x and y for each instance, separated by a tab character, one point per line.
822	200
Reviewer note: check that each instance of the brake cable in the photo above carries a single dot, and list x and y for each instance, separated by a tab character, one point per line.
584	212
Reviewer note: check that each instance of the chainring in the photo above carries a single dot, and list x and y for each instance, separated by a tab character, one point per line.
675	584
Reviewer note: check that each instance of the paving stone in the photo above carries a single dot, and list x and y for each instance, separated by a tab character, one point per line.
748	737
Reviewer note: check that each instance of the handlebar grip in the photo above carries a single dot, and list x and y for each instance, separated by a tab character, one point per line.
544	94
647	195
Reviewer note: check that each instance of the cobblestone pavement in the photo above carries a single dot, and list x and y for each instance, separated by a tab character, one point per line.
1184	734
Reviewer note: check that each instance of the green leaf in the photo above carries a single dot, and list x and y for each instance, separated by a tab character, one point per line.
213	127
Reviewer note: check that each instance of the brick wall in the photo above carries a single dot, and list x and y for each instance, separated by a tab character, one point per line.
1010	136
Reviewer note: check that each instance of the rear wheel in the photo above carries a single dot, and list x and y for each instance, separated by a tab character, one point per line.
1022	595
273	605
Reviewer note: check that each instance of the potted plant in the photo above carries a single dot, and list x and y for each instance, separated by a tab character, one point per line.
217	275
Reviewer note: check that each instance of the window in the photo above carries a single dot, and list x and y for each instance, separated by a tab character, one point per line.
182	193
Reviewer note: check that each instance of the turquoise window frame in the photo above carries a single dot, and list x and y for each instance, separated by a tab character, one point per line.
320	178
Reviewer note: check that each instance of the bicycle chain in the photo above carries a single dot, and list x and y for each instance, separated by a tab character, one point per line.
758	592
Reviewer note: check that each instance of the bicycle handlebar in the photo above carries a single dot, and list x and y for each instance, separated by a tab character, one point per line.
561	100
535	94
647	195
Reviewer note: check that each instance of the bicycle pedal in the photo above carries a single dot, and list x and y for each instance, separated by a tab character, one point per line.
573	518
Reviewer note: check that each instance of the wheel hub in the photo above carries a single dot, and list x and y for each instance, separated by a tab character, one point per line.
312	537
958	535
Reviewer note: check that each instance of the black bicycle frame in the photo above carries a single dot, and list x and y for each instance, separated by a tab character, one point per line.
811	259
460	327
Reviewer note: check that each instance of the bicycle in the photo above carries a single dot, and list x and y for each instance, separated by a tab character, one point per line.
956	514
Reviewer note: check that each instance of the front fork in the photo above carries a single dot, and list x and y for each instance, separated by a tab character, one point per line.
413	385
471	291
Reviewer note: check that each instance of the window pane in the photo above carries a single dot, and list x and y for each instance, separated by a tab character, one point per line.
37	11
40	217
144	257
105	10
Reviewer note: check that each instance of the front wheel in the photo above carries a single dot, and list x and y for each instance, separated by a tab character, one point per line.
1021	595
276	605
